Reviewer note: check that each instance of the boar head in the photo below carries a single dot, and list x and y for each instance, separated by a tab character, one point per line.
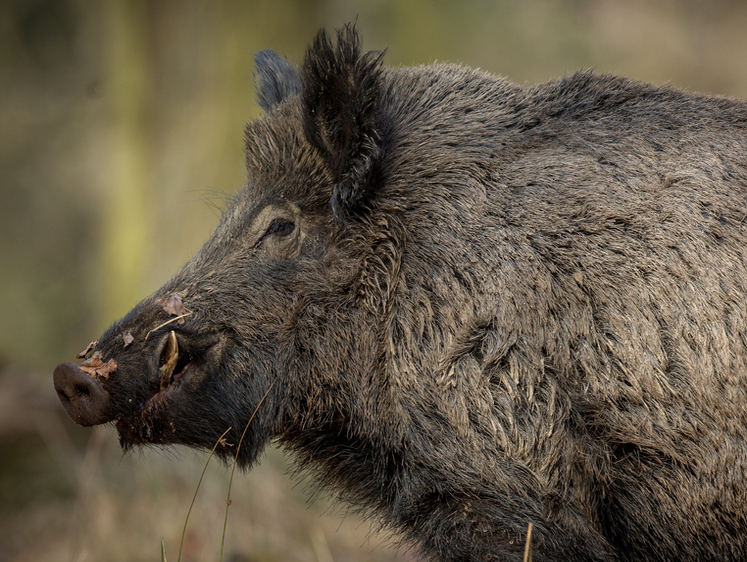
281	304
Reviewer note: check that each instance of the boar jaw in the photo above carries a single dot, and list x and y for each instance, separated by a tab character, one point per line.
181	366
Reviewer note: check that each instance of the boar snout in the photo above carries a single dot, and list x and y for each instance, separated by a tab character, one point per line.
83	398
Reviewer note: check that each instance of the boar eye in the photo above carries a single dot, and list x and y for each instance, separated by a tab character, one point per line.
278	227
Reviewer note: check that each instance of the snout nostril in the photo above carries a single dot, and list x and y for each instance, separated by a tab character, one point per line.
63	396
82	396
82	390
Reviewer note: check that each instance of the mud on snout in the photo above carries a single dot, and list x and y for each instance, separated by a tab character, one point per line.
136	398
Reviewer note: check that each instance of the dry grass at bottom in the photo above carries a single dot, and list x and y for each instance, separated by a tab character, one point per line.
69	494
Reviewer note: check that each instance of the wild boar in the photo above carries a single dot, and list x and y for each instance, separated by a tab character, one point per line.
466	306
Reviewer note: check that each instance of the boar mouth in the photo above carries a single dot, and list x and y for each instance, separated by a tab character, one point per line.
178	366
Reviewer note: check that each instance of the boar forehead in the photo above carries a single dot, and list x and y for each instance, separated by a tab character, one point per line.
281	164
286	178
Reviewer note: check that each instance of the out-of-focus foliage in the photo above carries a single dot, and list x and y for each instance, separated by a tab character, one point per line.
122	125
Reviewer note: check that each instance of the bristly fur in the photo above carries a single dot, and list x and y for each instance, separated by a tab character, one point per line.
341	89
484	305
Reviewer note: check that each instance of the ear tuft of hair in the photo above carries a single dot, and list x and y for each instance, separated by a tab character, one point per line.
275	78
340	94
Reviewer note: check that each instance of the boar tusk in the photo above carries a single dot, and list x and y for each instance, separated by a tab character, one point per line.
171	354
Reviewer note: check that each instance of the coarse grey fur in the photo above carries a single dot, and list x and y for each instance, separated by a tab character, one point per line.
275	79
473	306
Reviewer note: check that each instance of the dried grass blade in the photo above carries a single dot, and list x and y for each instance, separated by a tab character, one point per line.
167	323
528	545
191	505
233	469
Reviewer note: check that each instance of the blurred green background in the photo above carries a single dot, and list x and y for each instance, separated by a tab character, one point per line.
122	127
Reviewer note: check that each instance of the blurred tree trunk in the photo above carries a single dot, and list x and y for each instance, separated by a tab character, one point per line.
126	219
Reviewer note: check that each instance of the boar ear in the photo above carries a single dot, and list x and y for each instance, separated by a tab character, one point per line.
340	94
275	79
